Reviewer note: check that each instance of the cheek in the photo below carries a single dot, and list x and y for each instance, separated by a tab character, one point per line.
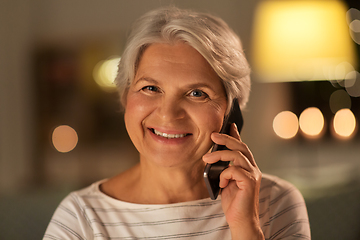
209	120
134	106
135	112
207	123
136	103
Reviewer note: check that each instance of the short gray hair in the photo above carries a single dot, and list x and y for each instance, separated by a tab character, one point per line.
208	34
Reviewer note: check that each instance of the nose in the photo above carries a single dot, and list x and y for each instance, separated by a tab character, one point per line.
170	109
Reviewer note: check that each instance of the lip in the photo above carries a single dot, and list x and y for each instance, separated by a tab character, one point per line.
165	140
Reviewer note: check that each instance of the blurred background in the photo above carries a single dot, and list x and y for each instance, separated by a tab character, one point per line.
61	127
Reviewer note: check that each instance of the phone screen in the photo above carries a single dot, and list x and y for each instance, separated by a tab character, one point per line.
212	171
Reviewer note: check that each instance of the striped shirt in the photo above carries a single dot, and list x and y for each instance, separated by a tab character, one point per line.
90	214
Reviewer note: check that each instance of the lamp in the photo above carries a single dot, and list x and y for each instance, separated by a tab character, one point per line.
302	40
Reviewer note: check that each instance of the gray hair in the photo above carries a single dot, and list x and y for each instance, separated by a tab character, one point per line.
208	34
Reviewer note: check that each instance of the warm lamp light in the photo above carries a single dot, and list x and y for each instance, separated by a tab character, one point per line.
302	40
64	138
286	124
311	122
344	123
105	72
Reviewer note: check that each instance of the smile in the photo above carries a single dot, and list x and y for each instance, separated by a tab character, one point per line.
169	136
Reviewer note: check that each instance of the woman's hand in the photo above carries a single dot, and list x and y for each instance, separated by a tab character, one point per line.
240	185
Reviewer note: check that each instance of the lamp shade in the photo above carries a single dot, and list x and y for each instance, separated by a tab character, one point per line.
302	40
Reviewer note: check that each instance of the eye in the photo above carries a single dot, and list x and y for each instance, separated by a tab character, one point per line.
198	94
150	89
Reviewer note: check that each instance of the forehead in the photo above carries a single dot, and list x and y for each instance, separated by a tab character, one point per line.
178	51
174	57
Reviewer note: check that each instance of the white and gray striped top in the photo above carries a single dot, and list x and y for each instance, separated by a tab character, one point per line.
90	214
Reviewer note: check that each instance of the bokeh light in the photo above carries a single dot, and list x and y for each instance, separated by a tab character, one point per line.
344	123
355	25
64	138
338	100
311	122
353	19
286	124
310	40
352	14
105	73
341	70
352	84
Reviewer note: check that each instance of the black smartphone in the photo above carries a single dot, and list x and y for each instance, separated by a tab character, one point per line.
212	171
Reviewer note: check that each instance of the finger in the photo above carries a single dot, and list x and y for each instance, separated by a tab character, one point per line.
234	132
240	176
233	144
236	174
229	141
236	157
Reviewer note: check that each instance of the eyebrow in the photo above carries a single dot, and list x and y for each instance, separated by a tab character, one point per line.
201	85
146	79
191	86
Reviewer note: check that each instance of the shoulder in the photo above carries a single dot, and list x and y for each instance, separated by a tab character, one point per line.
274	182
283	212
276	188
77	202
70	218
83	196
277	194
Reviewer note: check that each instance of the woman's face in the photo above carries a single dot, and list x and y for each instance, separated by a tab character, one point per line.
173	105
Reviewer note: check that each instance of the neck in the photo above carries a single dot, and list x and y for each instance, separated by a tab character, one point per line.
164	185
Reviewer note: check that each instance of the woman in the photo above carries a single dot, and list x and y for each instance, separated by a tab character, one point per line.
177	77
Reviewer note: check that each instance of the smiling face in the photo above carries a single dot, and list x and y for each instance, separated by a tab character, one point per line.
173	105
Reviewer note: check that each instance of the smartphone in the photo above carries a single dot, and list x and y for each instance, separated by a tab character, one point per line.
212	171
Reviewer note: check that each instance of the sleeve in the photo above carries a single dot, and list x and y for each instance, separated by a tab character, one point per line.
69	221
287	213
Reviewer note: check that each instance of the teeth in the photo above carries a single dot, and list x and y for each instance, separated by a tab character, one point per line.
169	135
